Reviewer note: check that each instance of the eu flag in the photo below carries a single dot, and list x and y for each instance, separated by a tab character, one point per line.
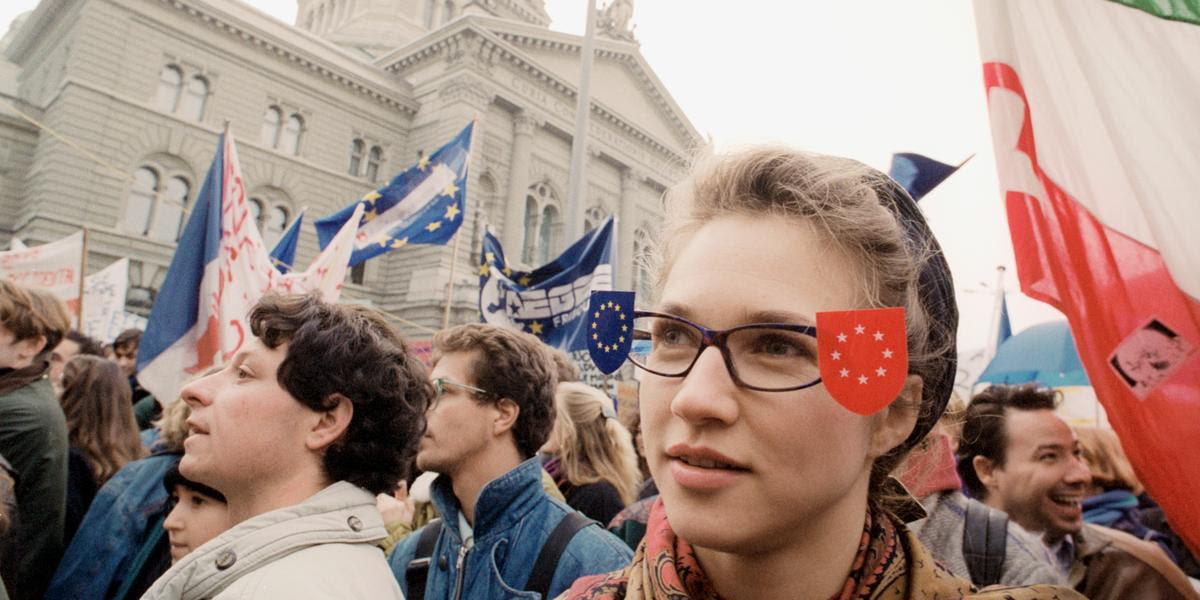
610	329
422	205
550	301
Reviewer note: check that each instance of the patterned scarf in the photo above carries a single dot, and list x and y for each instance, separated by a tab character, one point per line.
665	568
891	564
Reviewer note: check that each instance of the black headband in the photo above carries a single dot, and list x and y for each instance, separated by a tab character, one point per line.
935	288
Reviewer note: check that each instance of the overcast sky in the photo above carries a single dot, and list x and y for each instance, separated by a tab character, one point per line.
860	79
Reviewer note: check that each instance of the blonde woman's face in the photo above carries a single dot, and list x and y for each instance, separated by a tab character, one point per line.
794	461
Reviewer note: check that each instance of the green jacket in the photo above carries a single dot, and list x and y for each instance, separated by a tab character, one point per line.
33	437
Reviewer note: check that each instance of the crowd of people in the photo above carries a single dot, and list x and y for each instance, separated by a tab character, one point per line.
324	460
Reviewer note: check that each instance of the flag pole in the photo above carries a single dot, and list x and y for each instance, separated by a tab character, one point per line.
994	334
83	256
578	174
457	234
453	264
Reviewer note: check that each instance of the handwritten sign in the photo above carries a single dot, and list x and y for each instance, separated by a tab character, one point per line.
54	266
103	295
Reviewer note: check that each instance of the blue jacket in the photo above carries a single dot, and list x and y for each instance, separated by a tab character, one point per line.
513	518
113	530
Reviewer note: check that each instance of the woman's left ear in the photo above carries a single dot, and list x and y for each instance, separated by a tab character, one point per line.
895	422
331	424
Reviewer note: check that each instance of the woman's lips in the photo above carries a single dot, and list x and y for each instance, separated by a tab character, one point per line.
703	468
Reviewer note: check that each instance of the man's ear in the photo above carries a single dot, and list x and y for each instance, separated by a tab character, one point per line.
896	421
507	412
331	424
985	470
27	349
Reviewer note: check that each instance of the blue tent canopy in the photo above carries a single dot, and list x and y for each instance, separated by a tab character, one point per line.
1044	353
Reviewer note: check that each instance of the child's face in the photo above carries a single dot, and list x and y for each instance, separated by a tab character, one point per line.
195	519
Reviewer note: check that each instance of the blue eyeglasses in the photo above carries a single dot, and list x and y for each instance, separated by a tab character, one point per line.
768	357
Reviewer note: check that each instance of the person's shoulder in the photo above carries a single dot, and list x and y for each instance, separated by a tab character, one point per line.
320	571
595	550
1029	592
405	550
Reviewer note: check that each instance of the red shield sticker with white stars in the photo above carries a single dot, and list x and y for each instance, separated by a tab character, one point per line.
864	356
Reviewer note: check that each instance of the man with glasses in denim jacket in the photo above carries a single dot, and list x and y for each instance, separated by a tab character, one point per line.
494	408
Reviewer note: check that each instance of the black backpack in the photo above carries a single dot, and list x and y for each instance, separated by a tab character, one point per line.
985	540
417	572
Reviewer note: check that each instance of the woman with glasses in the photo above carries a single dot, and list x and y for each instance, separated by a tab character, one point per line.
770	487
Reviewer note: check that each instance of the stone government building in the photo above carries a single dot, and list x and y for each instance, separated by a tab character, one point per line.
110	111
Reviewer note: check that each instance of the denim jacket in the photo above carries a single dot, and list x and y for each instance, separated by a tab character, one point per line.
113	530
513	518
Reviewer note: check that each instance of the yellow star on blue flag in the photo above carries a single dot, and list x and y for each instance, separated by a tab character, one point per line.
422	205
607	312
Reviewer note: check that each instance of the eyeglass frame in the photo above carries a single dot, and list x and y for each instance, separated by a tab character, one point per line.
439	389
719	338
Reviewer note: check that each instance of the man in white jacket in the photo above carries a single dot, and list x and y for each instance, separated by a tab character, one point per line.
315	414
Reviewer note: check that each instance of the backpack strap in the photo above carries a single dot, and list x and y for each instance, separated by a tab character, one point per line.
417	571
985	540
556	544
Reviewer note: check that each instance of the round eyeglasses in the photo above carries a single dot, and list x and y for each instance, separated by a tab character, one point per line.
768	357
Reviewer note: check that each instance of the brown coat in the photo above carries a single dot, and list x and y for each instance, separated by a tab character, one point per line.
1112	565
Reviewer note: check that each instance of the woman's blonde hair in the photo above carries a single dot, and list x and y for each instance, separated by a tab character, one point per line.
1105	458
859	211
593	446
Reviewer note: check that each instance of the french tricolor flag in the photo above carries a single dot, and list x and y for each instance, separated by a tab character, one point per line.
219	270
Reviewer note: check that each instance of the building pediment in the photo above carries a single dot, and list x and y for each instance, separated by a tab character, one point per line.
624	90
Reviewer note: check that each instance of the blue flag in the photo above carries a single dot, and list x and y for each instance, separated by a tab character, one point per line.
422	205
1005	328
610	329
917	174
283	255
550	301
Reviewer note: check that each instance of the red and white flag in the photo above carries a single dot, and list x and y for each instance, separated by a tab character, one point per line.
1097	138
219	271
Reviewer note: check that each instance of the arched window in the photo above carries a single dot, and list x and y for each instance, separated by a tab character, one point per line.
256	211
321	19
276	223
430	7
194	99
641	266
170	83
141	201
358	273
373	162
270	131
357	149
592	218
289	140
547	234
529	247
168	218
447	11
308	20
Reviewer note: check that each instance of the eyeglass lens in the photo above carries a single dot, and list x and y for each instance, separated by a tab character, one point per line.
763	357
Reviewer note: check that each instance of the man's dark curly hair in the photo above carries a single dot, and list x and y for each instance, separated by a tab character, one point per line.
510	364
983	426
352	351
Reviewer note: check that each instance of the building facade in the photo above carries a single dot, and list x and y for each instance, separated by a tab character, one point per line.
110	112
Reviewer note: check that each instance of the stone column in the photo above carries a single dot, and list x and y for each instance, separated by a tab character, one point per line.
518	182
631	179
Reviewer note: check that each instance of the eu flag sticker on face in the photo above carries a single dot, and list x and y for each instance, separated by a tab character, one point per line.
863	356
610	329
